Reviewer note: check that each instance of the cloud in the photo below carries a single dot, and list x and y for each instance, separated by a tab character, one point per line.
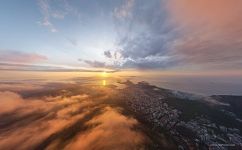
49	68
53	11
62	119
18	87
20	57
94	63
124	10
108	54
37	119
202	34
46	12
46	22
72	41
112	66
148	34
211	31
109	124
10	101
151	62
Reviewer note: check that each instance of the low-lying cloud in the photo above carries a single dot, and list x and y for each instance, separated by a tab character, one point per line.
66	120
111	131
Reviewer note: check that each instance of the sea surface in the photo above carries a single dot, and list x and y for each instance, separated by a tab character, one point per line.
204	85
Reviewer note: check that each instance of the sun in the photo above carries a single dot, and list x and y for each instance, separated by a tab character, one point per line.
104	74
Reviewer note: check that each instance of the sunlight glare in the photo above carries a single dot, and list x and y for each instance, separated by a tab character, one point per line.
104	82
104	74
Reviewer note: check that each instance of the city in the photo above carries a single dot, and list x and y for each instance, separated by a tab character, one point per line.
197	133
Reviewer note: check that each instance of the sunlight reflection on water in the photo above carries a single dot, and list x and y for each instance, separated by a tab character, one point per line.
104	82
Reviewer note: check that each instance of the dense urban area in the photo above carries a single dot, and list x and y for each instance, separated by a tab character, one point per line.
190	129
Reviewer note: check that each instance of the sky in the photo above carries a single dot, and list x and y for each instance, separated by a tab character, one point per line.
177	35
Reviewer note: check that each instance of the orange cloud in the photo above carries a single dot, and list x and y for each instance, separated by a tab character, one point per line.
68	122
216	13
111	125
9	101
211	31
20	57
31	121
